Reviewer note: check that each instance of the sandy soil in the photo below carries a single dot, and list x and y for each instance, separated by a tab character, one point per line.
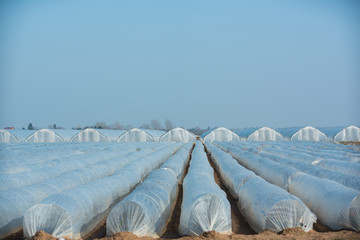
292	233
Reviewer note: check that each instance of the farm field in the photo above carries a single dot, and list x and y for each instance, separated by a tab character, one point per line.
178	190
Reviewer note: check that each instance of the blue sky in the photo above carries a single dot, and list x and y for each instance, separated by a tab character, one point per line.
199	63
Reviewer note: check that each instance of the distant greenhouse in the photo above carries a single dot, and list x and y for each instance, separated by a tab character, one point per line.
44	135
89	135
342	134
178	135
259	134
7	137
135	135
349	134
302	134
141	135
220	134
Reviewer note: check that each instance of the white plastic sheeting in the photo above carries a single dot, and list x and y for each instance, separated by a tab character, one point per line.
205	206
7	137
146	211
111	134
340	166
89	135
288	158
74	212
271	171
135	135
275	209
44	135
178	135
337	207
309	134
348	134
264	205
14	202
39	172
302	134
321	150
222	135
265	134
177	162
314	192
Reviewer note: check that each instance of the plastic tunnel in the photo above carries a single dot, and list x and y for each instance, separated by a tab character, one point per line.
77	210
146	211
44	135
6	137
349	134
205	206
135	135
222	135
89	135
178	135
264	205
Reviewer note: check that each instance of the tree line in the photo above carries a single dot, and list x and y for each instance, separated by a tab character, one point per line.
153	124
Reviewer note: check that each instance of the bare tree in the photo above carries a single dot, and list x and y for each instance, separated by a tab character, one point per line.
117	126
101	125
128	127
155	124
145	126
168	125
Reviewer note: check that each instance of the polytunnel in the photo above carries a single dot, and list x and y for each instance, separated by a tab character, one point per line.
147	210
7	137
220	134
44	135
135	135
74	212
302	134
89	135
204	206
156	134
349	134
264	205
335	205
21	135
265	134
259	134
178	135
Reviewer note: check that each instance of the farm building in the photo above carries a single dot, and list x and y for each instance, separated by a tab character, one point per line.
89	135
178	135
302	134
7	137
220	134
259	134
44	135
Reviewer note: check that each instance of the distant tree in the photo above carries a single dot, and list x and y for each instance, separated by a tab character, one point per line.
197	130
168	125
155	124
145	126
128	127
30	127
117	126
101	125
